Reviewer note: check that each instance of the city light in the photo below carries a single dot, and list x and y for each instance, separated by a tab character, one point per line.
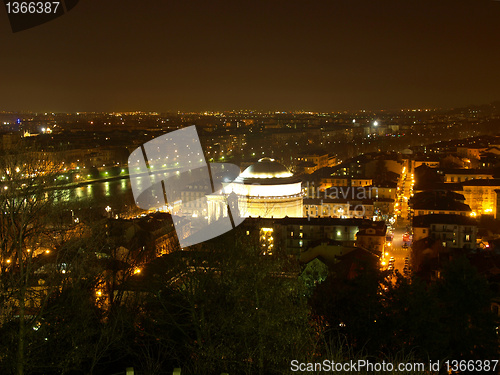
267	240
334	217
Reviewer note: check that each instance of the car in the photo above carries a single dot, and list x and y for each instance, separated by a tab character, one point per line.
405	245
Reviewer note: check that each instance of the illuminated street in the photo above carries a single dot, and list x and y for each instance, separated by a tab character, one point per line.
396	250
405	192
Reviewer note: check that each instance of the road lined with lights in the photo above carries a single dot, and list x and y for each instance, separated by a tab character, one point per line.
398	248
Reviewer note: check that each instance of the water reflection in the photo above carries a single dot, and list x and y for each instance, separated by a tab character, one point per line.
116	193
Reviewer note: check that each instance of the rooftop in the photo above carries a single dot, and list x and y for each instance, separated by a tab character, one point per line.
424	221
321	221
266	168
489	182
482	172
441	205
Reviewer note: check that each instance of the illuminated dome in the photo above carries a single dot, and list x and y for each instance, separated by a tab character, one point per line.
266	168
264	189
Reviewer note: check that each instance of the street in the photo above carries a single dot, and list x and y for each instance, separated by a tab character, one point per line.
396	249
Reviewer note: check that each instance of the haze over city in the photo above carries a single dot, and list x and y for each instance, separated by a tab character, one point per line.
232	55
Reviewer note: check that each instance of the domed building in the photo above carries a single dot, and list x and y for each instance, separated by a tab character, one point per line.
264	189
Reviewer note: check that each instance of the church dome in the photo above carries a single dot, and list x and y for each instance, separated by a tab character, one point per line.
266	168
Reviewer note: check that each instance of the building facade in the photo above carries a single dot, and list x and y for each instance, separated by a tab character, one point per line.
264	189
453	231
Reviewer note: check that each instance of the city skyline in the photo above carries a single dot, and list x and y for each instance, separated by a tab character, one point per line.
220	56
364	112
231	187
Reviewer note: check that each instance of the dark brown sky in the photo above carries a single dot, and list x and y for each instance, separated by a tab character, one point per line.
117	55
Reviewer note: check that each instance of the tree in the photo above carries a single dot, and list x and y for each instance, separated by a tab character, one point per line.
233	309
77	330
465	298
27	200
315	272
352	308
450	319
411	320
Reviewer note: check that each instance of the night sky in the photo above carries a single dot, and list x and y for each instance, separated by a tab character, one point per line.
162	55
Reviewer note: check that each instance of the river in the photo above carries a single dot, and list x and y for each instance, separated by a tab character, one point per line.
97	195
